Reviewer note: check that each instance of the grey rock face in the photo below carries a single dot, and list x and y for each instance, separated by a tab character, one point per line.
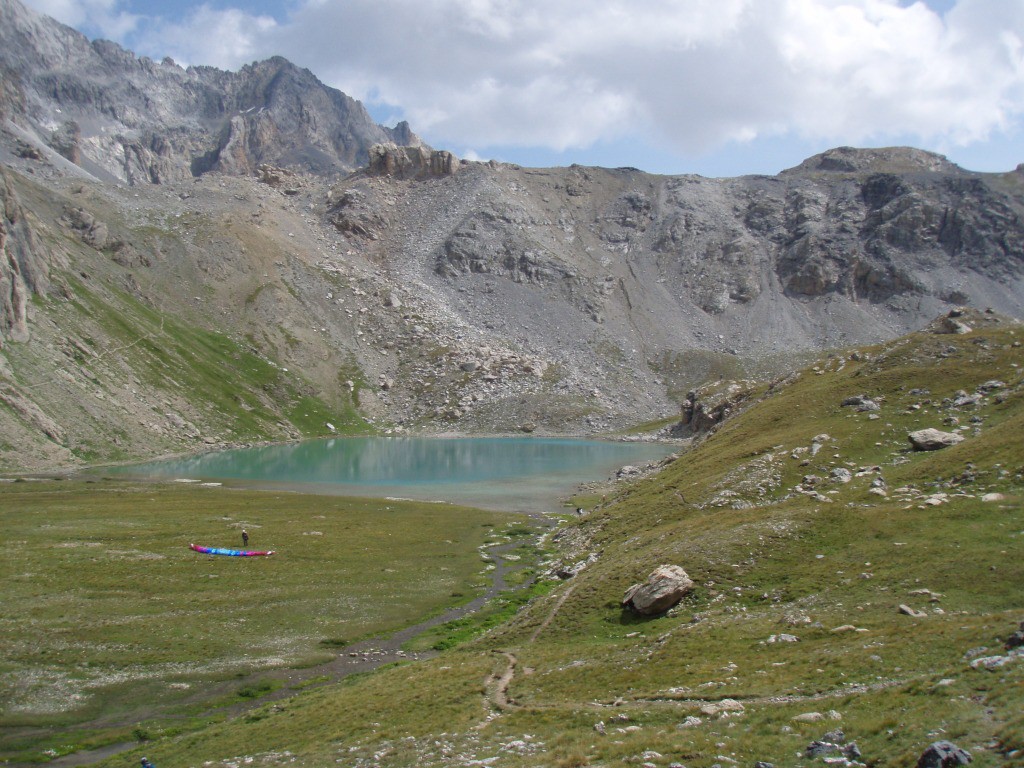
604	294
24	267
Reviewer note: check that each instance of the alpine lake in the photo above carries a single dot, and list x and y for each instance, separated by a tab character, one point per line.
521	474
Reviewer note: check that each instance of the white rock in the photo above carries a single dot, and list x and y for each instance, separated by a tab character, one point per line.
809	717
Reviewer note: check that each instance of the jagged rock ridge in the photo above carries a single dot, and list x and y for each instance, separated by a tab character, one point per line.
138	121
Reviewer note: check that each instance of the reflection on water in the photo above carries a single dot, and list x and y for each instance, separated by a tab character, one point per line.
506	473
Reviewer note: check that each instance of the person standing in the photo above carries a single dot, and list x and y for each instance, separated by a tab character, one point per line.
245	538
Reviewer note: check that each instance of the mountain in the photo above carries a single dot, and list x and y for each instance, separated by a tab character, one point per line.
195	257
124	118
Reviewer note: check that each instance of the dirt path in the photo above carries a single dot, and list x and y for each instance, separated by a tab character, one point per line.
554	612
501	699
496	687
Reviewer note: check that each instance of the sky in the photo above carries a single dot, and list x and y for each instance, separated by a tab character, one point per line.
712	87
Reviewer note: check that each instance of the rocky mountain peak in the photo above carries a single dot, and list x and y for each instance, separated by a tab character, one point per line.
36	39
882	160
127	118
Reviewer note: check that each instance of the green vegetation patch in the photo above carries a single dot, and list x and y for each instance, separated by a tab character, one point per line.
107	611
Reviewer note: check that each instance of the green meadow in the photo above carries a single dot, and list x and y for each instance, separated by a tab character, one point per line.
114	629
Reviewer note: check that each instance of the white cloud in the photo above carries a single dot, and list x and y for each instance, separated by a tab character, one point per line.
220	38
101	18
689	75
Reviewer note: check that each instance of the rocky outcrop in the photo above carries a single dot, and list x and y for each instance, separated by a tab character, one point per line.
664	588
496	241
416	162
352	214
24	269
709	406
944	754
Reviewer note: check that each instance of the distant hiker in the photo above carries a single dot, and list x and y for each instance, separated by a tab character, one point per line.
146	763
245	538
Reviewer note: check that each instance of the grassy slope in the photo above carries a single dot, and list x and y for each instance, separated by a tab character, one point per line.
107	612
766	560
230	393
120	355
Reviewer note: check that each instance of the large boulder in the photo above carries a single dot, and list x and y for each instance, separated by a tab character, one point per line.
665	587
943	754
933	439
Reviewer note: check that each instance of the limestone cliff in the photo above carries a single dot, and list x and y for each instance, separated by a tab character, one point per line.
24	268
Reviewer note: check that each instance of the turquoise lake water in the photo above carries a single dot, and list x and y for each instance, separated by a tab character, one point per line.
516	473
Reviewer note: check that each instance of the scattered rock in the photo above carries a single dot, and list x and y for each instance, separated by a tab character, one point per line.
833	743
906	610
274	176
1016	640
809	717
718	707
862	403
962	398
992	663
568	571
841	475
